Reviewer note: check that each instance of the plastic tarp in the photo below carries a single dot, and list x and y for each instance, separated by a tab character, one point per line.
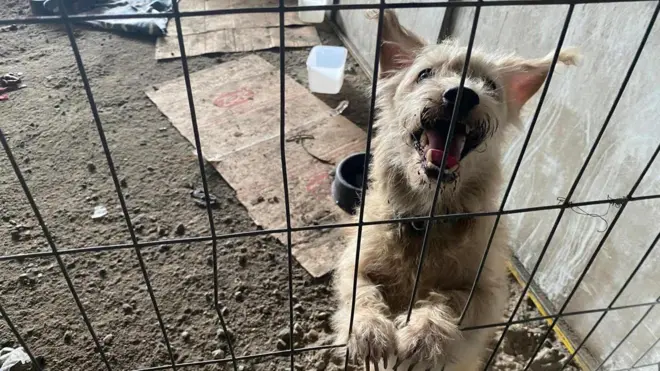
156	26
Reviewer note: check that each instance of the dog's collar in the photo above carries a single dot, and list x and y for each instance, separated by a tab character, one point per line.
417	227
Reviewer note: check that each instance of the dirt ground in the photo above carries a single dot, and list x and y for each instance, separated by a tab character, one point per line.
52	134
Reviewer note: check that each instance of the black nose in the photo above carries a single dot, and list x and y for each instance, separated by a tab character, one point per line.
469	100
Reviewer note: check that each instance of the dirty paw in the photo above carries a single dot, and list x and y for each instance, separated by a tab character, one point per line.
373	338
424	341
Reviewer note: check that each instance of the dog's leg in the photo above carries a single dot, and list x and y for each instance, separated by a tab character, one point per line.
372	335
432	335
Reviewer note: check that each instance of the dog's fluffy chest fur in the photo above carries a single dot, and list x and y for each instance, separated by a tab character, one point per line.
393	266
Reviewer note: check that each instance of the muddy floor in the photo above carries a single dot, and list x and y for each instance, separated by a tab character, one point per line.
55	142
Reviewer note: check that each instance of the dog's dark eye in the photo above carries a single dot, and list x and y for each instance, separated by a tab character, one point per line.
426	73
490	84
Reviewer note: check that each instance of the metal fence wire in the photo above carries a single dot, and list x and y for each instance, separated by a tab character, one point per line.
281	9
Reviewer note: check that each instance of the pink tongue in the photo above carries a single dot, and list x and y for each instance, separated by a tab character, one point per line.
436	159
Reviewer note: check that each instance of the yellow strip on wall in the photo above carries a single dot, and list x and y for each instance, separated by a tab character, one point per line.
560	334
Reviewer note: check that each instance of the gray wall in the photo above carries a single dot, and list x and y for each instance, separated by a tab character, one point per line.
573	113
362	32
575	109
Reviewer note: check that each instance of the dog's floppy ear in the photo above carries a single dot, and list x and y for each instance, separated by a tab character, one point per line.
398	45
524	77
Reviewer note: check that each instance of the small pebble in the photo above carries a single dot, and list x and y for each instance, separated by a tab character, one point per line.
297	329
221	334
123	183
107	340
218	354
312	336
68	337
127	308
282	345
242	260
180	229
25	280
299	308
185	336
283	336
238	295
91	167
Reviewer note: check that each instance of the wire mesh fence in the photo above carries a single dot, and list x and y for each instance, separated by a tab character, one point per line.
136	245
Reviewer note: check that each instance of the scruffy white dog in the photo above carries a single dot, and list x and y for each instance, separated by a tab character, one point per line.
416	94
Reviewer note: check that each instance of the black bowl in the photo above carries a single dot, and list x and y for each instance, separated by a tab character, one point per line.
347	185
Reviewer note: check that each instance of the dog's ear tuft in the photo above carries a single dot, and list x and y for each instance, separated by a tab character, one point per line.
524	77
398	45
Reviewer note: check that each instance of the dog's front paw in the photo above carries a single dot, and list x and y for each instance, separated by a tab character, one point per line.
424	341
373	338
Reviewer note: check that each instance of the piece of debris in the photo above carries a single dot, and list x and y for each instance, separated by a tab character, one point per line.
11	27
99	212
155	26
4	97
11	81
300	139
218	354
16	360
339	109
108	339
257	200
200	200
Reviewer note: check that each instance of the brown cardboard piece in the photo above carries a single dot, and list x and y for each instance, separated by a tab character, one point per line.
238	115
233	32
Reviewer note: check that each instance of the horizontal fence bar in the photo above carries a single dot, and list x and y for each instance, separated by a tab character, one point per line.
263	232
331	7
279	353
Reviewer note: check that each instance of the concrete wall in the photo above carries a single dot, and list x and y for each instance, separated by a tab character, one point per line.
574	111
362	32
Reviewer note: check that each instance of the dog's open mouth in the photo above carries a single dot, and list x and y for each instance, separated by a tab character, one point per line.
430	144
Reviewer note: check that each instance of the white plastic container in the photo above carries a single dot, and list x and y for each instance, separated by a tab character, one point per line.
312	16
325	68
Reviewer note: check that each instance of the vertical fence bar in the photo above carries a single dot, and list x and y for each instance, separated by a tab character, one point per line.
450	136
53	248
560	42
365	174
205	186
285	179
115	178
615	104
19	338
